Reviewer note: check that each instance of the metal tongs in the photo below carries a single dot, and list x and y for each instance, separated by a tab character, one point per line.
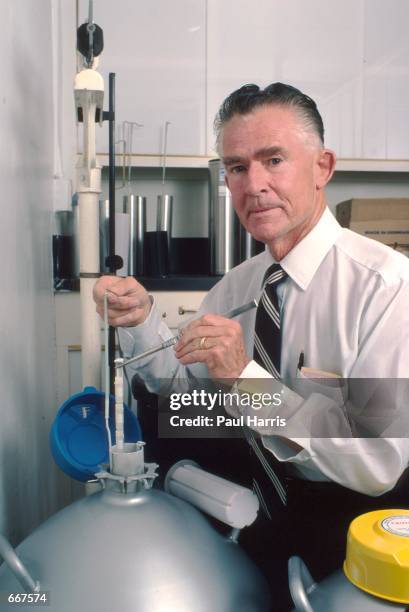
172	341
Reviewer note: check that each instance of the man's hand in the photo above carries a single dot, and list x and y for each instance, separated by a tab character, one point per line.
128	301
217	342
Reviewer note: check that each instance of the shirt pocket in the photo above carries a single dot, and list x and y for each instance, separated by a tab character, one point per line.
310	380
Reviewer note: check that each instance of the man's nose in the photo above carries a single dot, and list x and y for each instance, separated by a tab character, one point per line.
257	179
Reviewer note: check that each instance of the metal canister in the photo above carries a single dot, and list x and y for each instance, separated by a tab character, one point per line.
164	214
224	225
135	206
249	247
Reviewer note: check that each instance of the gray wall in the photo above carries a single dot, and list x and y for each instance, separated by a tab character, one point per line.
29	482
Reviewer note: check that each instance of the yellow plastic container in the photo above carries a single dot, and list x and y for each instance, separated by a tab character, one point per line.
377	557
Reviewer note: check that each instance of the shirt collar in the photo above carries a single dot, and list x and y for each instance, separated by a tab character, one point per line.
302	262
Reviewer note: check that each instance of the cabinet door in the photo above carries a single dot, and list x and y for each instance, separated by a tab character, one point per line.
316	46
352	57
157	50
386	80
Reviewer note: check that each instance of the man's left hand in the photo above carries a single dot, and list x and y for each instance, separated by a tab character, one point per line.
216	341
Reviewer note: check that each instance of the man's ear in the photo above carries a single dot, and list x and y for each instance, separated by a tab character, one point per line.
325	167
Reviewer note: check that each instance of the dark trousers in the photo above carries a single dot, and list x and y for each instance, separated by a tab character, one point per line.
313	526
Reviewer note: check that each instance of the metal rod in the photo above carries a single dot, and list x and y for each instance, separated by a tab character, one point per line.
112	172
91	11
107	378
234	535
91	30
15	564
112	269
172	341
165	149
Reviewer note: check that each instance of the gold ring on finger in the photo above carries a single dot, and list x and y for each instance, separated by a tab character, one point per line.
202	343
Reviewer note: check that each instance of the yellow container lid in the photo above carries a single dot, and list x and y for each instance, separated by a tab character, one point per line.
377	556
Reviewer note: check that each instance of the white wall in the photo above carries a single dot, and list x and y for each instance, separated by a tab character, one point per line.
64	27
346	185
29	481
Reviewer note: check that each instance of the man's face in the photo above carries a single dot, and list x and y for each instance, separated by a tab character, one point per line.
274	174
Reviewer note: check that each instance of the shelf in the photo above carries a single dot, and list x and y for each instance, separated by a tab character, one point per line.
165	283
372	165
179	283
155	161
198	161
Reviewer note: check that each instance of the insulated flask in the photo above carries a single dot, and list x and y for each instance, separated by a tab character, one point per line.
135	206
157	244
224	225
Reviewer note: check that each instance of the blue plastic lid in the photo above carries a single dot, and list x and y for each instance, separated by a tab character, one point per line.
78	438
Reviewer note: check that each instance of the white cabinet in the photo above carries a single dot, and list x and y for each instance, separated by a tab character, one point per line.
315	46
157	50
386	80
352	57
176	61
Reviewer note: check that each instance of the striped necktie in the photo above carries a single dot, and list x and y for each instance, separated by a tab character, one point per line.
267	335
267	353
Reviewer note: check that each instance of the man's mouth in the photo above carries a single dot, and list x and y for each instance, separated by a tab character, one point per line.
263	209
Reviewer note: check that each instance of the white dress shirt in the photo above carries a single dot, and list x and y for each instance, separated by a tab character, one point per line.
345	305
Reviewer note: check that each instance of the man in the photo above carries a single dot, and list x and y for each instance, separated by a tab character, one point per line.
337	299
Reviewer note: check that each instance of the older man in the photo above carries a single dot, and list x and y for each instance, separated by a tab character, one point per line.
338	299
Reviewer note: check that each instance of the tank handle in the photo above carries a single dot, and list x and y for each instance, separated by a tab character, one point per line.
301	584
17	567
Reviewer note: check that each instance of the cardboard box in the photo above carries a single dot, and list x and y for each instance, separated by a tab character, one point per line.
383	219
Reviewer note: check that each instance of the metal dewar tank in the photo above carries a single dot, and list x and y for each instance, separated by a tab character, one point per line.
375	576
129	547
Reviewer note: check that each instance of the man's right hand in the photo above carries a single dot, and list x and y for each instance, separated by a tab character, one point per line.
128	301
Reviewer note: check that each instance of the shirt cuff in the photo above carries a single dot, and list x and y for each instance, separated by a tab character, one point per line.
254	370
283	452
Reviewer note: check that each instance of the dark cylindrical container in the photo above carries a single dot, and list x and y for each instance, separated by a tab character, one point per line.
63	250
63	258
156	254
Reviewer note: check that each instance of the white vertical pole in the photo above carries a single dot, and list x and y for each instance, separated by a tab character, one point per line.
89	95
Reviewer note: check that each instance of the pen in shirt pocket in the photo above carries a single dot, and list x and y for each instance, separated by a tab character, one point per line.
301	360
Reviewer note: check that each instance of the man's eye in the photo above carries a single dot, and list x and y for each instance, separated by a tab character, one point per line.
236	169
274	161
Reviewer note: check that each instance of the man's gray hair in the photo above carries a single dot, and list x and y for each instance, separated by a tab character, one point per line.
249	97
